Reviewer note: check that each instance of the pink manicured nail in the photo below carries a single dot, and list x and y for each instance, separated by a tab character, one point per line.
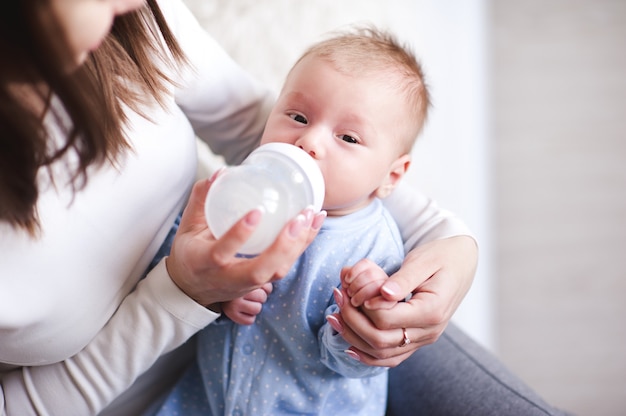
318	220
296	226
216	173
390	288
309	213
253	218
338	297
353	355
335	323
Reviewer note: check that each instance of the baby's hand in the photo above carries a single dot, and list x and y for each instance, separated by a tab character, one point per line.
244	310
362	283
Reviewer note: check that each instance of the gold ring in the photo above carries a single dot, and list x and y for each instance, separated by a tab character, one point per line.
406	341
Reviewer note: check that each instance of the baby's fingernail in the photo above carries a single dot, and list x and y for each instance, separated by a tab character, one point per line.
348	278
334	323
352	355
338	297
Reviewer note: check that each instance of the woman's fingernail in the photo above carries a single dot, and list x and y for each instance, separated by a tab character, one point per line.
253	218
318	220
335	323
297	225
352	355
338	297
390	288
216	173
309	212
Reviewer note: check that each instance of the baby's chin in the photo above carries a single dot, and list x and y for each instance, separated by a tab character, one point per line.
339	211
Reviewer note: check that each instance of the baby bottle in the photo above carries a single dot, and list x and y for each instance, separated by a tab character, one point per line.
279	178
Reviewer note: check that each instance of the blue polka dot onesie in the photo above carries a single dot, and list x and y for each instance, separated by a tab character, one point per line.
290	361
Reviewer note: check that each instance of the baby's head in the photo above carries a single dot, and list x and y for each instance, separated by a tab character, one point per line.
375	54
356	103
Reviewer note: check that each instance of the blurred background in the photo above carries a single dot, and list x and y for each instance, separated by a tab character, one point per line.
526	141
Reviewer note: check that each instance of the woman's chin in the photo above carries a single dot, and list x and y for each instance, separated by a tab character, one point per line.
77	62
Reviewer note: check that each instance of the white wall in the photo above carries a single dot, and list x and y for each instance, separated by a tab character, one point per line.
560	156
450	159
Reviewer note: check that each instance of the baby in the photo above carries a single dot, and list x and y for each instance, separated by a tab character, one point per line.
355	103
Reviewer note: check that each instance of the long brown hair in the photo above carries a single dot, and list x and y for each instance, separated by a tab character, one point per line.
123	71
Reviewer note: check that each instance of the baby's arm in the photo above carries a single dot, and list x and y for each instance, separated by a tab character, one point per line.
244	310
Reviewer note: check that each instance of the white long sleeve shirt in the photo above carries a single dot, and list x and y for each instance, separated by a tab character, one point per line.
76	328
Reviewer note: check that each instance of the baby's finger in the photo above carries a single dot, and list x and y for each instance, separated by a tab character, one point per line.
349	274
378	303
268	288
364	290
251	308
258	295
242	318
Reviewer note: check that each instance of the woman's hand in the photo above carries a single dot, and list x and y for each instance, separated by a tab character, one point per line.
437	274
208	271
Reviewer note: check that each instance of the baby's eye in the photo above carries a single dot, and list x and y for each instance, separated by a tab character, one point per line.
299	118
348	138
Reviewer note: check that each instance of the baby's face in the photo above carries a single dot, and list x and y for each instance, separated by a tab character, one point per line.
351	125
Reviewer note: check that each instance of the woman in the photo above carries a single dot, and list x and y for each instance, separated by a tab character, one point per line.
100	103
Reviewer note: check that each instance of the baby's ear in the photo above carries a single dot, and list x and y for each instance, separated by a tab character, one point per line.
396	171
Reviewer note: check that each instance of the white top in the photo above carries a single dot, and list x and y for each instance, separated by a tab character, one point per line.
72	339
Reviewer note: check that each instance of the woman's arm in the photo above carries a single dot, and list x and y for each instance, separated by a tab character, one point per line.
130	332
152	320
420	219
225	105
158	316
